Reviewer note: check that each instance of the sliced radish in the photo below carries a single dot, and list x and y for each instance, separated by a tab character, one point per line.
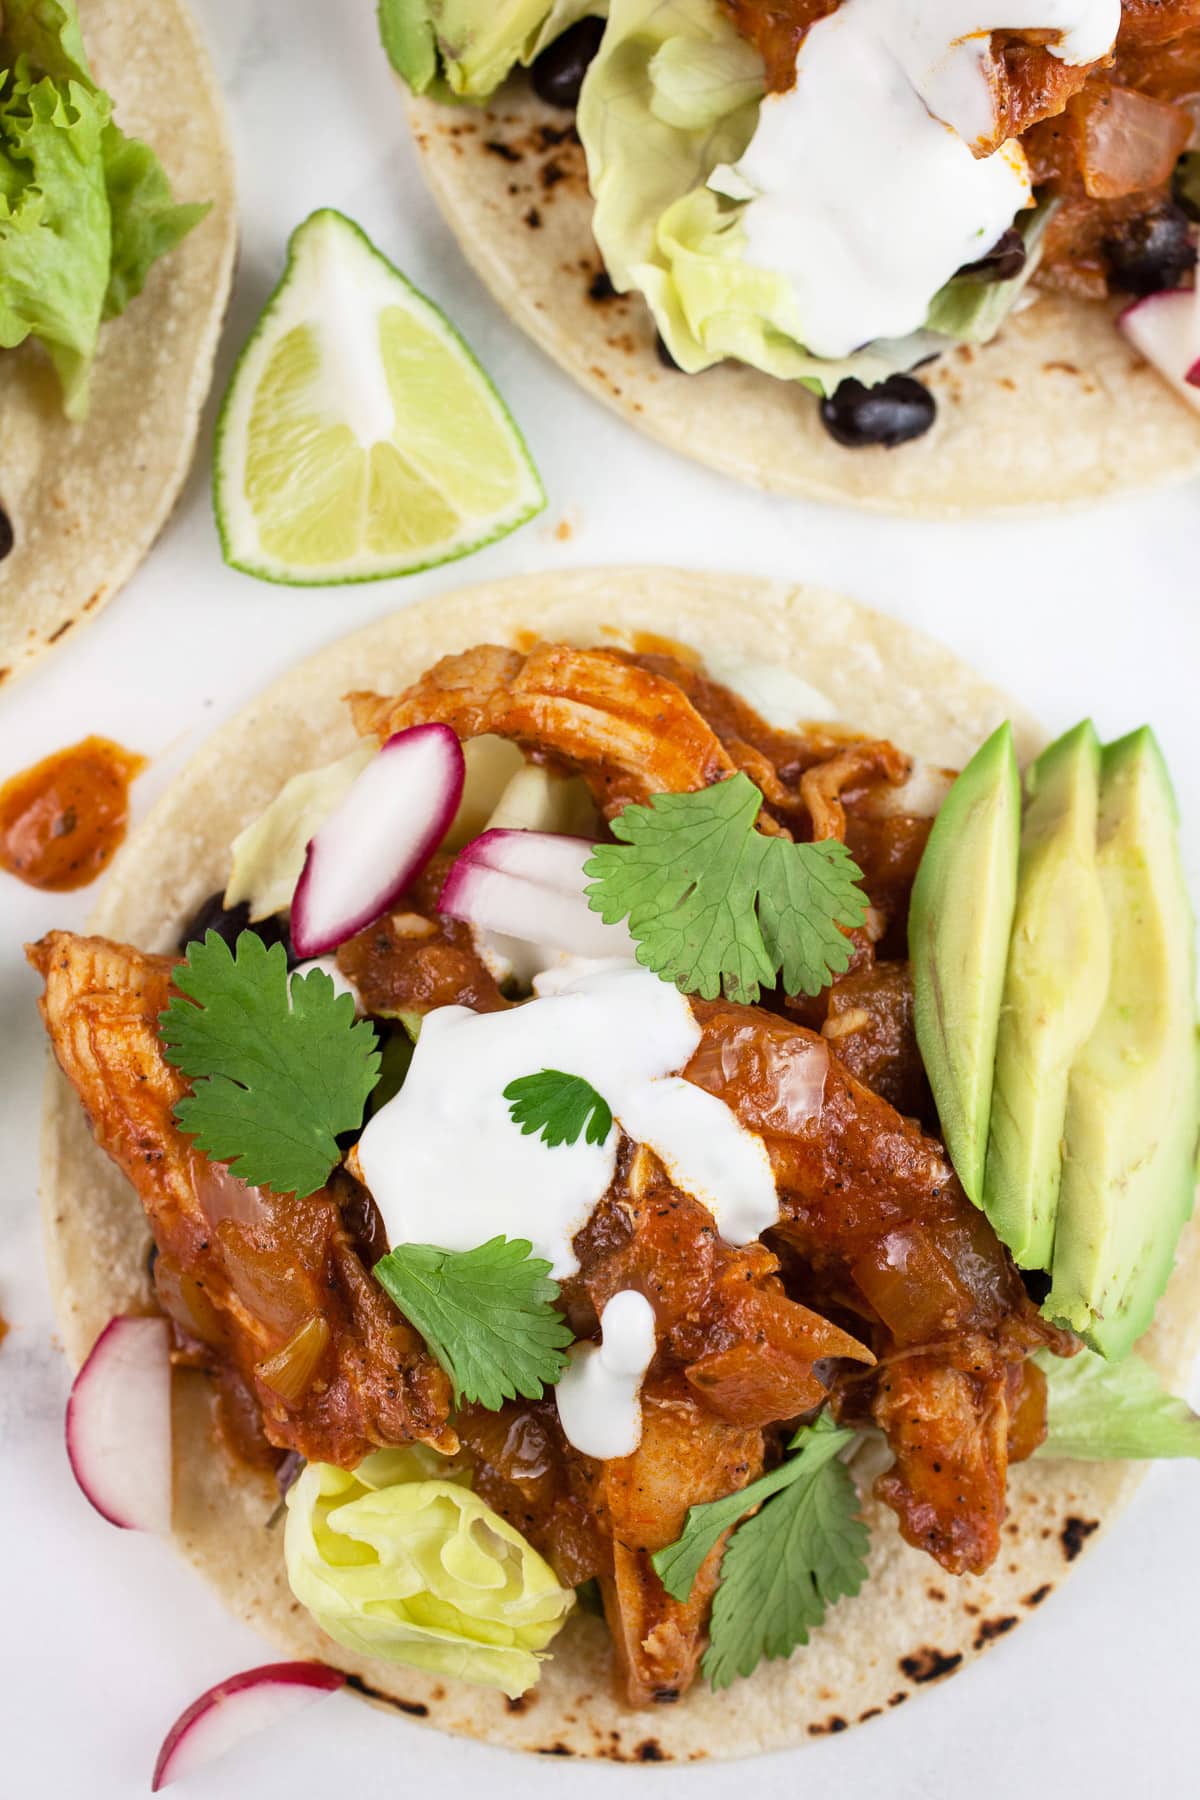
531	885
378	838
119	1425
236	1709
1165	327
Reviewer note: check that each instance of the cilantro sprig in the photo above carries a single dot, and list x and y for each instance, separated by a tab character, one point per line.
716	906
486	1314
783	1567
278	1068
562	1107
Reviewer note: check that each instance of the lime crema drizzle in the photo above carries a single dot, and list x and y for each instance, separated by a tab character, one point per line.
862	186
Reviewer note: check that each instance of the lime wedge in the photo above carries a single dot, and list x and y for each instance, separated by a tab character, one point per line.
359	437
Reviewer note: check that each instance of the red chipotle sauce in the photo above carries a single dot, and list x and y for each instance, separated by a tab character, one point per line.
62	819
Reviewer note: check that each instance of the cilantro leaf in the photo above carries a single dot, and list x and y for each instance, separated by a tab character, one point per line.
278	1068
562	1107
782	1567
716	906
486	1314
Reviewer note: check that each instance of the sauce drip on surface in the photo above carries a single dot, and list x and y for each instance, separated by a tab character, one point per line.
62	819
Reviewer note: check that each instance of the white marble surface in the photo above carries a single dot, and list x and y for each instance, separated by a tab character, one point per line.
104	1637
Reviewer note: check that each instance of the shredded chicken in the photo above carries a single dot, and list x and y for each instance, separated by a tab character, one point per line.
629	732
239	1269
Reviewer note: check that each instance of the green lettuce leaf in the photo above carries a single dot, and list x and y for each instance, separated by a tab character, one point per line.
55	240
1099	1411
473	44
146	223
84	210
48	33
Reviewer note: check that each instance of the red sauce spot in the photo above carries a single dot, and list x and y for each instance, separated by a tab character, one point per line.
62	819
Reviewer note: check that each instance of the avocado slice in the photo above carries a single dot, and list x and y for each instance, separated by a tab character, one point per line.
1133	1103
959	924
1054	988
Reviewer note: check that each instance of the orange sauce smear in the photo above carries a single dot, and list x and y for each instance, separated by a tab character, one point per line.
62	819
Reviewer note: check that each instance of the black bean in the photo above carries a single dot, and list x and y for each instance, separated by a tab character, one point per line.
1003	262
890	413
558	73
229	922
7	537
1150	251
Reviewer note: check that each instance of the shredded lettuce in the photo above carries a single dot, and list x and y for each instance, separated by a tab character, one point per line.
402	1561
473	45
1099	1411
84	210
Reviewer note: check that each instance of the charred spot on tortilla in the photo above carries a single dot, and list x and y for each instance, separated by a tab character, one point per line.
1038	1594
7	535
991	1629
506	152
649	1750
416	1709
929	1665
828	1727
1074	1535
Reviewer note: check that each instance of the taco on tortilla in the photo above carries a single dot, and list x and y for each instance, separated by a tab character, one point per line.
117	233
573	1106
929	217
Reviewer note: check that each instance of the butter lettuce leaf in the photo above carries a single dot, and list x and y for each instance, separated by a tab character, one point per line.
400	1560
84	210
1098	1411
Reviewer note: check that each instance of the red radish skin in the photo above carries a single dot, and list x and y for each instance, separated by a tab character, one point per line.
531	885
1165	329
118	1425
378	838
237	1708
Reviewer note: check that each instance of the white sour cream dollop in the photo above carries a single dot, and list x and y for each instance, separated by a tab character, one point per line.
866	195
446	1165
599	1393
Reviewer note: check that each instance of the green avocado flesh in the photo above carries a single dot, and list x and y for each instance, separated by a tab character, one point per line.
1054	988
1133	1103
958	934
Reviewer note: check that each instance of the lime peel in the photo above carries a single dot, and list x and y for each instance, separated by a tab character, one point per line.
359	437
